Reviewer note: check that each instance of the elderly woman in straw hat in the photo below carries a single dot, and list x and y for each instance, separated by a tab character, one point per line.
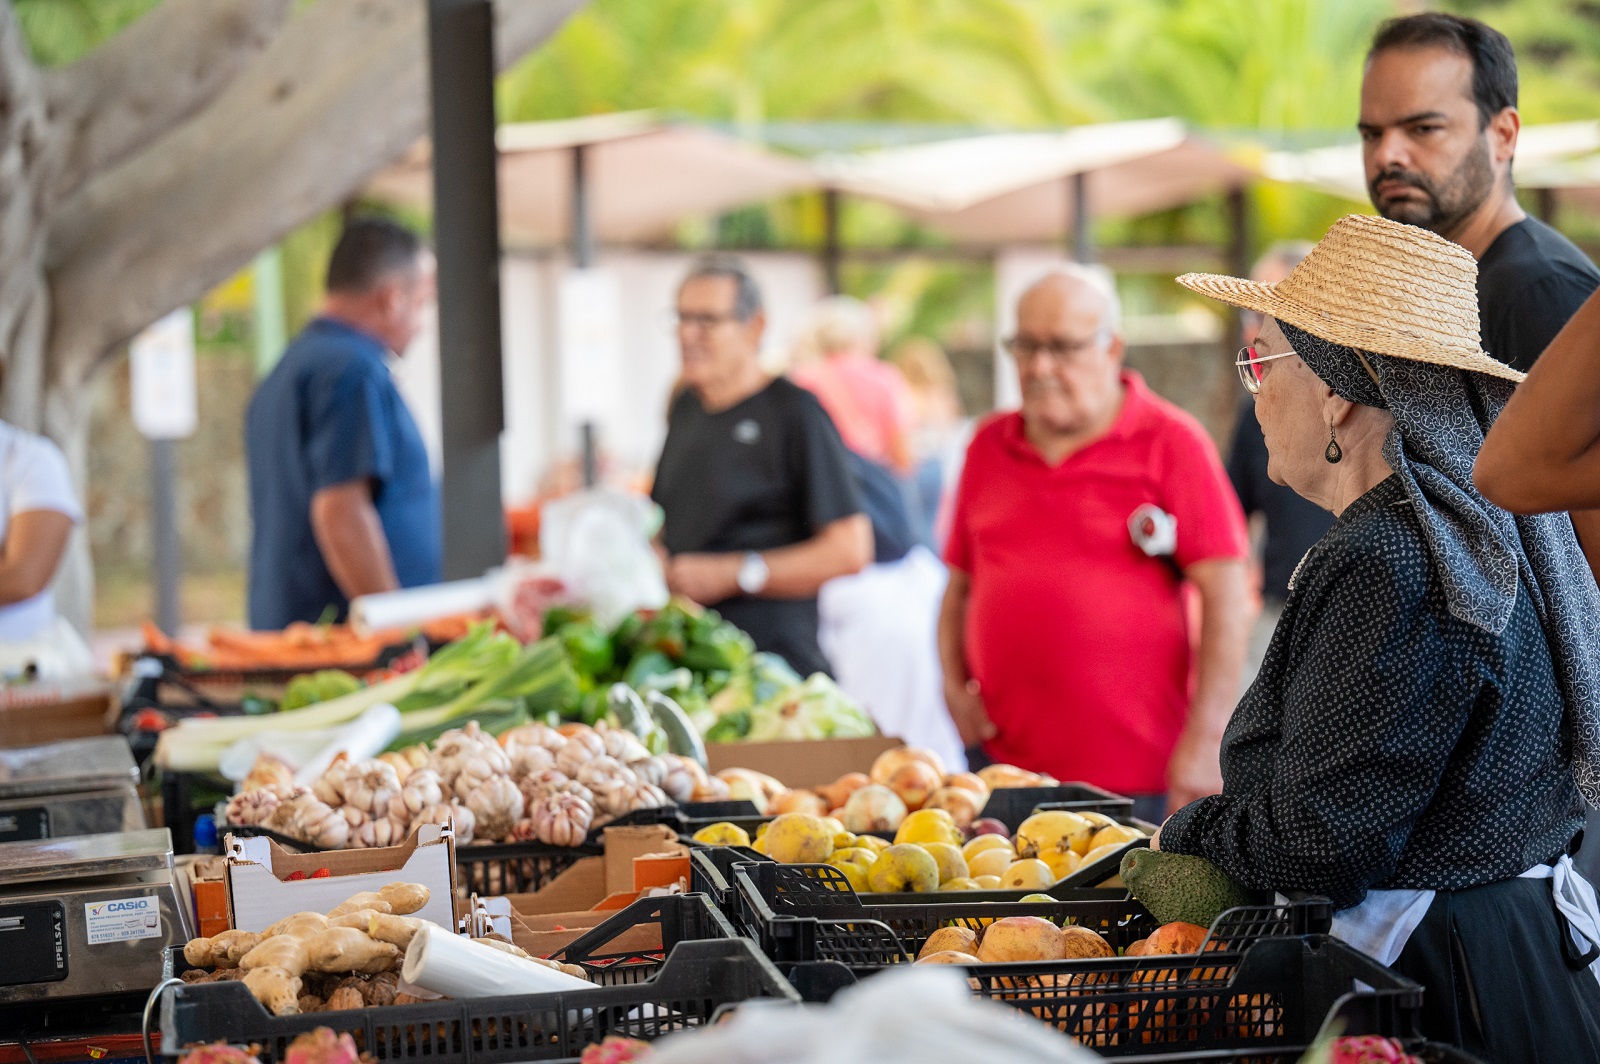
1429	707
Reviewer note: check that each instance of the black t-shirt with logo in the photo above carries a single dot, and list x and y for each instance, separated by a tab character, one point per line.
767	472
1530	281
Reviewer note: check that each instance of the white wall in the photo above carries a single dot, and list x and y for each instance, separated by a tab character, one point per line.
632	422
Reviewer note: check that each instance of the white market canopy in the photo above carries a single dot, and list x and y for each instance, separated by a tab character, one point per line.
1013	187
1544	155
643	174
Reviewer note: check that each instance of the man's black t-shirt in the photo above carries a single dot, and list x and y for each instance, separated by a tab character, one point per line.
767	472
1530	281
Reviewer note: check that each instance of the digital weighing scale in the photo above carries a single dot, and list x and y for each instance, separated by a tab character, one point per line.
87	916
77	787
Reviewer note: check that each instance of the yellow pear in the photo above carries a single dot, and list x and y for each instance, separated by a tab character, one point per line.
904	868
1061	864
991	862
1054	830
872	842
951	864
962	883
1030	873
929	825
1099	852
984	842
723	834
987	882
1113	834
798	838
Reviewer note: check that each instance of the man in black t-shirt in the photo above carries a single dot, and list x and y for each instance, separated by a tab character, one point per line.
1439	128
761	506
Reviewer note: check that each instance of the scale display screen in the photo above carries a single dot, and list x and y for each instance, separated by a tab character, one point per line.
33	940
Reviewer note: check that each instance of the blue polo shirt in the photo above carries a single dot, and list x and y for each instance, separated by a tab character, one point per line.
329	413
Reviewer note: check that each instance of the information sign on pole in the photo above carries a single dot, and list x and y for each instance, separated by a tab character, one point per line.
164	401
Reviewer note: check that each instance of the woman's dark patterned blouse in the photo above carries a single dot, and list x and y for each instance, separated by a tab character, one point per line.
1386	744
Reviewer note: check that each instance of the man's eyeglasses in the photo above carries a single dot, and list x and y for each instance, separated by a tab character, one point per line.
686	319
1249	365
1023	348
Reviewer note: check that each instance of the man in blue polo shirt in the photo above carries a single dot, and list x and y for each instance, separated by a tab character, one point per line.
341	495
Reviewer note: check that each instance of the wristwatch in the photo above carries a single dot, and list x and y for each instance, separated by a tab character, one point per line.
753	573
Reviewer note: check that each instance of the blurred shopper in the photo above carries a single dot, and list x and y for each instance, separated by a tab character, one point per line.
1079	520
38	510
1439	128
1290	523
1543	453
342	498
940	431
761	508
868	401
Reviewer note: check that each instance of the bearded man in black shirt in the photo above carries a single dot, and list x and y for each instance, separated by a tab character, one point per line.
761	505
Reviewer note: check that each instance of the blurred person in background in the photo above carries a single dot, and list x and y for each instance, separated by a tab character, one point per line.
940	431
38	511
1290	524
761	508
866	398
342	498
1079	523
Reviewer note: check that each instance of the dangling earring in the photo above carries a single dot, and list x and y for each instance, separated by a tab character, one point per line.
1334	454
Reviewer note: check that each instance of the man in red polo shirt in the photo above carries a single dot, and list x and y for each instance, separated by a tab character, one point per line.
1079	523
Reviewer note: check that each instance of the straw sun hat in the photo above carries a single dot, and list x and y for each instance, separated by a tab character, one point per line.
1378	286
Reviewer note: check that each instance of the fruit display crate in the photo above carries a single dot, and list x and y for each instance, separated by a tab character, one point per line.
1012	805
804	913
630	946
642	999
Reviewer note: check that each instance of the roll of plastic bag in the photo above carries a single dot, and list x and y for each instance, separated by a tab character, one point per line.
457	967
309	753
418	605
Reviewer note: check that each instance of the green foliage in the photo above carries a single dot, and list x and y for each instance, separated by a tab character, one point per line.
60	31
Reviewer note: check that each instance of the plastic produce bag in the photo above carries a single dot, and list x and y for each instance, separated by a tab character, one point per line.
917	1016
598	542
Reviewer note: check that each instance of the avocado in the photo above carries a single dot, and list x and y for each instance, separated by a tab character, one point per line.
1178	886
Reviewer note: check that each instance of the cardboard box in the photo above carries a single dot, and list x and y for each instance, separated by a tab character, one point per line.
260	892
47	712
607	882
207	879
801	763
544	935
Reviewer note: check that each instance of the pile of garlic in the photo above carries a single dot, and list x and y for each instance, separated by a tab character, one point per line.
534	783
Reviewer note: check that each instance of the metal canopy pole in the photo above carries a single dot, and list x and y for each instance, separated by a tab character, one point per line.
583	259
467	235
830	240
1082	239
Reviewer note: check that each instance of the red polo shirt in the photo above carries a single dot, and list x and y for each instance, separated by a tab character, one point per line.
1078	638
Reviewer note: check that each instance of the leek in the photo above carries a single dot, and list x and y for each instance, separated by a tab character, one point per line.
196	745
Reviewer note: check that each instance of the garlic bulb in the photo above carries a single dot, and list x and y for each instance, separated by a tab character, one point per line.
371	785
607	778
621	744
581	747
561	820
421	789
354	817
384	831
646	796
679	781
711	790
268	773
465	757
400	763
531	760
498	804
466	823
321	825
652	770
523	831
252	807
329	787
525	735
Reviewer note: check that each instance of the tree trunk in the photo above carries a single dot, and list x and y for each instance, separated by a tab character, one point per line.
137	179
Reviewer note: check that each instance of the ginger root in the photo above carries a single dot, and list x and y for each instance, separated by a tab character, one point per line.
505	947
397	930
299	925
358	919
275	988
285	952
367	899
345	949
400	899
229	947
197	951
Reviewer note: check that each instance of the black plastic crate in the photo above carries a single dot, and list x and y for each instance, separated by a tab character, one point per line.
1266	1003
803	913
1012	805
695	982
613	953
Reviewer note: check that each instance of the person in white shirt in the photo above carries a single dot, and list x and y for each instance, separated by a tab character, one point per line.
38	510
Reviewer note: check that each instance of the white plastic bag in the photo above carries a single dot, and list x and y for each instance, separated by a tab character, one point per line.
918	1015
598	542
